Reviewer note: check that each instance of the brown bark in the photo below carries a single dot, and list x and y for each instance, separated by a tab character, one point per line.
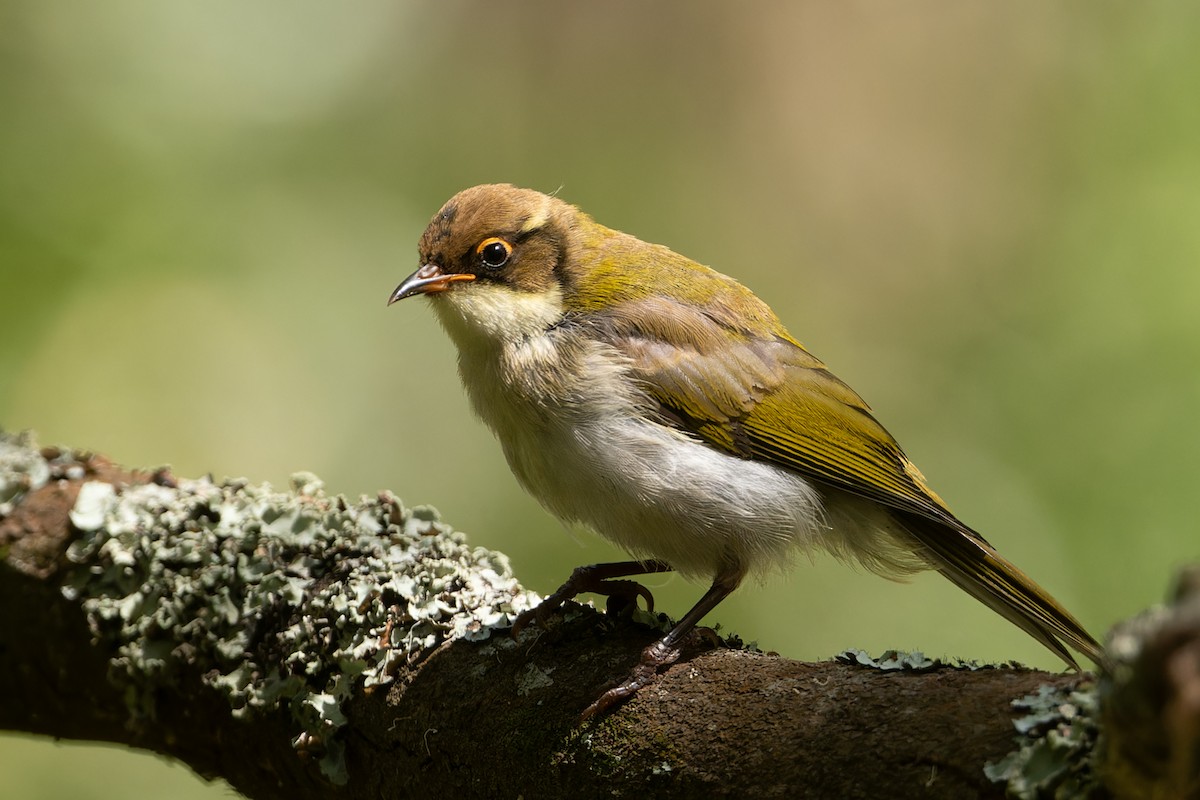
499	718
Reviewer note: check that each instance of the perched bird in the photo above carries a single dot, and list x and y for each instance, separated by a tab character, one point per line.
665	406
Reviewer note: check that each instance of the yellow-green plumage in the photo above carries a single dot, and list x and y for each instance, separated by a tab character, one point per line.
781	404
581	341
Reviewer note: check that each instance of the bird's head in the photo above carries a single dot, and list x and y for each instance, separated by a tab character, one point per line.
503	264
492	261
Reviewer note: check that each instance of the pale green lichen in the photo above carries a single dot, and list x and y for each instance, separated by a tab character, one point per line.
890	660
279	600
1056	746
1055	756
534	679
289	600
915	661
22	469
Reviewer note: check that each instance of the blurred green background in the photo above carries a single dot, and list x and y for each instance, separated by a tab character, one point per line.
983	217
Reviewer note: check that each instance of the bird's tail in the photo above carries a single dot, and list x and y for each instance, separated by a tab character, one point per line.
974	566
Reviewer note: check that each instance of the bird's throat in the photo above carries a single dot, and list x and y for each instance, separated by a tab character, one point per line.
490	315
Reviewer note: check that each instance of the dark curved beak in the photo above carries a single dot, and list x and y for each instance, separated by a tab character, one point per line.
429	279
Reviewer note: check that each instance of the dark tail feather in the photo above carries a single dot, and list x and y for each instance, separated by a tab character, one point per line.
974	566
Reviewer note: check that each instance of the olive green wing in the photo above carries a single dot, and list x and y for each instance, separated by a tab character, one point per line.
755	392
760	394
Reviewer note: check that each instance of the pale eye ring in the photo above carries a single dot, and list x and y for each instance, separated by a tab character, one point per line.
494	252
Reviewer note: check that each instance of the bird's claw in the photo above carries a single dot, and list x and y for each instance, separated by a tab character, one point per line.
654	658
584	580
623	595
539	613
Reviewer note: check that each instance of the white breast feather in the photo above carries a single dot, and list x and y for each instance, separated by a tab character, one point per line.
578	437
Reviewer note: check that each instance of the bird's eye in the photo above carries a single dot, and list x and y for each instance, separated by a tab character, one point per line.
494	252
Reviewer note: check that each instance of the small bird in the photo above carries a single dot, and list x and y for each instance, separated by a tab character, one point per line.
665	406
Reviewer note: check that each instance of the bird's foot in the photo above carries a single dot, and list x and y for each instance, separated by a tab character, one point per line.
622	595
655	657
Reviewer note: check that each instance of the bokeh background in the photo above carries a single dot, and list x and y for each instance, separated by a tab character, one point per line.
985	217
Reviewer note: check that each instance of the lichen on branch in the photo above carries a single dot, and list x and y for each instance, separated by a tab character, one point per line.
284	600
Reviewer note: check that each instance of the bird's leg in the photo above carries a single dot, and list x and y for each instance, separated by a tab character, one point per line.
667	649
597	579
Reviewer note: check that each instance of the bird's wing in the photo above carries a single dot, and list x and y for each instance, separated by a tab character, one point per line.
759	394
753	391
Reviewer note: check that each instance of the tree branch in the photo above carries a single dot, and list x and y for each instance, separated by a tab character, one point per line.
299	645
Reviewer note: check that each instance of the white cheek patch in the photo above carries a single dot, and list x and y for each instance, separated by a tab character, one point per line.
497	313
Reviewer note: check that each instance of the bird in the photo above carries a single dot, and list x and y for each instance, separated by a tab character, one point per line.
663	405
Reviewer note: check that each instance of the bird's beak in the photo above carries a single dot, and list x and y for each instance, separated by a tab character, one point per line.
429	279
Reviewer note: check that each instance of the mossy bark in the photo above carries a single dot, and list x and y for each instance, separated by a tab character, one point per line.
498	716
